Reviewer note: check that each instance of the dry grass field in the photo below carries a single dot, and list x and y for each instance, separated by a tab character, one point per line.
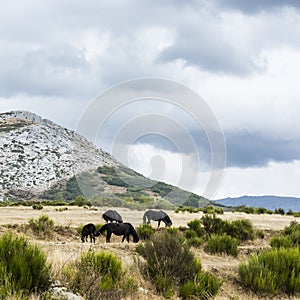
65	245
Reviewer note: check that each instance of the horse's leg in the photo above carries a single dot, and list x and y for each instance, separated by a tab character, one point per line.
158	223
123	238
108	235
127	237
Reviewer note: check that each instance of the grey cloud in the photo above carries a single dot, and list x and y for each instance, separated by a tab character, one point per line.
255	6
244	149
49	71
214	55
249	149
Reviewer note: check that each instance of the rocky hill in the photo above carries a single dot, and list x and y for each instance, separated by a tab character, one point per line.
40	159
37	153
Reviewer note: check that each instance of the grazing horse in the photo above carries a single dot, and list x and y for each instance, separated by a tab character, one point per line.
88	230
119	229
156	215
112	215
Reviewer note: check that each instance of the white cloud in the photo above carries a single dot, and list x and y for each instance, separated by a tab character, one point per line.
279	179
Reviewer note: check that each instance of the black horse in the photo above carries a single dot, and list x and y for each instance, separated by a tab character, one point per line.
88	230
112	215
124	229
156	215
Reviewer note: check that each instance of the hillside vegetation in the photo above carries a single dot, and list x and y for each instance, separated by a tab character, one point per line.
122	186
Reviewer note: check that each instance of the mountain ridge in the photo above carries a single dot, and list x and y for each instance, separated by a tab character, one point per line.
39	158
267	201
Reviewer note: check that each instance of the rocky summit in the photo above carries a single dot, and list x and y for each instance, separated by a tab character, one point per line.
37	153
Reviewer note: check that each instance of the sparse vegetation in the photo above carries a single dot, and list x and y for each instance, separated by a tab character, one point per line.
23	267
145	231
173	268
42	225
274	271
242	230
98	275
206	210
37	206
290	237
222	244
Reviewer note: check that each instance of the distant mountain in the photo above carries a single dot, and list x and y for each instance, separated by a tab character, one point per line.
268	202
40	159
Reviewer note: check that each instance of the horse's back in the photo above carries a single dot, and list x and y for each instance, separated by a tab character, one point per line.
112	215
155	215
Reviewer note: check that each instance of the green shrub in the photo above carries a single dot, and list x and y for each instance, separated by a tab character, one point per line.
222	244
98	275
213	225
196	226
281	242
240	229
80	201
205	287
42	226
37	206
23	267
260	234
196	241
279	211
189	234
171	264
145	231
294	226
274	271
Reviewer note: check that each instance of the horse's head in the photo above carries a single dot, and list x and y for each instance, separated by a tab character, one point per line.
97	233
167	221
136	239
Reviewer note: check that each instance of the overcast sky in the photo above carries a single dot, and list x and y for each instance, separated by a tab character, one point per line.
241	57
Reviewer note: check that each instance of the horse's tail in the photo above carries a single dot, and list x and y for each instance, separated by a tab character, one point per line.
133	233
145	218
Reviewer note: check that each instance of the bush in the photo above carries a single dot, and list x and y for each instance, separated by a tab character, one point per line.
145	231
81	201
290	237
275	271
222	244
240	229
23	267
281	242
171	266
196	241
213	225
37	206
205	287
98	276
279	211
294	226
196	226
42	226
